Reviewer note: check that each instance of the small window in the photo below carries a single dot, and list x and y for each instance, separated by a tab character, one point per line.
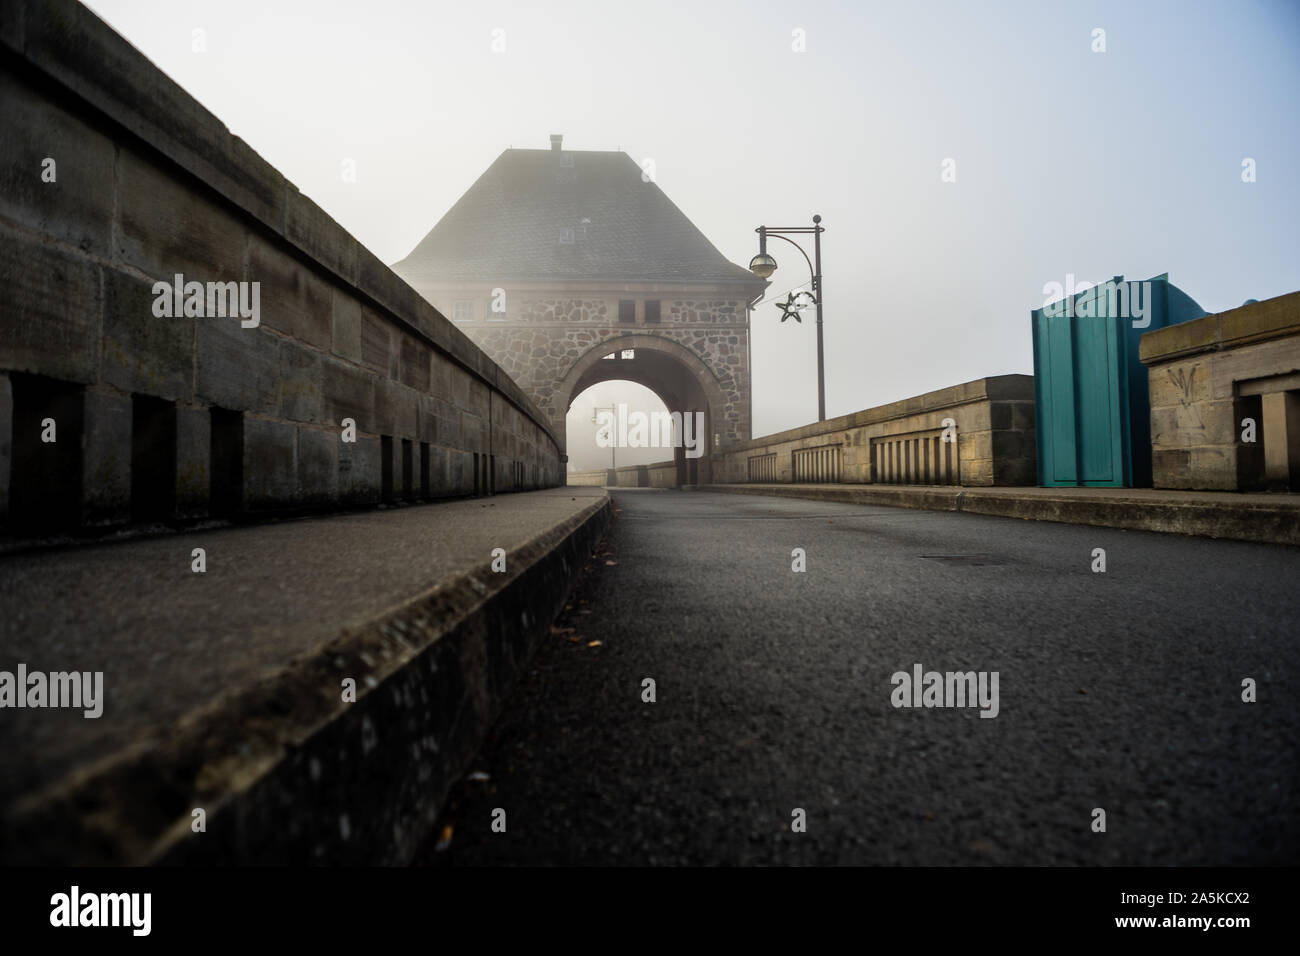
566	236
462	310
652	312
627	354
626	311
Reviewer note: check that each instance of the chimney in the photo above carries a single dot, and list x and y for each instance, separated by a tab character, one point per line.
556	140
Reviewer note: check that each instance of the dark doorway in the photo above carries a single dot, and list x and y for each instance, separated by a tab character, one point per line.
46	476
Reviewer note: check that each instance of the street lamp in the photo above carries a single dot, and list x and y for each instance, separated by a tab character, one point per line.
614	417
763	265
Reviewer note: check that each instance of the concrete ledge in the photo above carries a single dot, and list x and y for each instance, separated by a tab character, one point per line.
284	769
1017	388
1257	322
1266	518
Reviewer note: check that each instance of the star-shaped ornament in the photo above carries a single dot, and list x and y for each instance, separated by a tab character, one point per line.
793	306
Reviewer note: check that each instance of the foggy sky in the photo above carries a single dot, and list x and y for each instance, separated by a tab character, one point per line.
1068	161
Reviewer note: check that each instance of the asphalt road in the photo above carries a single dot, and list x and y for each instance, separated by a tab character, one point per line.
1119	690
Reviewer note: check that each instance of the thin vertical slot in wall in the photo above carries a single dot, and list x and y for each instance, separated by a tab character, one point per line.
408	470
424	470
153	458
226	453
386	467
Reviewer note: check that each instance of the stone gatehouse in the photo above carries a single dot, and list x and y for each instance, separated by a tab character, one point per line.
570	267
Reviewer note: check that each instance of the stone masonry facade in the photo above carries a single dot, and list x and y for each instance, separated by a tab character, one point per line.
538	339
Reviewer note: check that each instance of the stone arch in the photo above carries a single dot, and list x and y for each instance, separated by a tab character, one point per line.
675	373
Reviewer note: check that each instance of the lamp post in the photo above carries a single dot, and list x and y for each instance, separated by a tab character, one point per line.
763	265
613	443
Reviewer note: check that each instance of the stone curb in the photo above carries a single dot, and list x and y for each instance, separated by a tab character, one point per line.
1252	520
287	773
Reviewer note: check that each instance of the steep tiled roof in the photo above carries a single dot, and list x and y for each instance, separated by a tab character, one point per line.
517	220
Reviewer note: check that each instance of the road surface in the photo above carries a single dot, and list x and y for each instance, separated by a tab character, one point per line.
1118	691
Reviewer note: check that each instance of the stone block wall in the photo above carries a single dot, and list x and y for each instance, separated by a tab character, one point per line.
993	421
587	479
109	187
661	474
1207	379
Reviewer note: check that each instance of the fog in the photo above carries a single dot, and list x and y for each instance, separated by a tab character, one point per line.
584	452
1067	160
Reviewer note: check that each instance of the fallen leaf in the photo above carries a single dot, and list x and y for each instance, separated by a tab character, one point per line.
593	643
479	775
562	630
610	564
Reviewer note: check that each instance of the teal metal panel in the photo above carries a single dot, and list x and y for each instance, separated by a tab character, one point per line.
1094	400
1090	388
1060	357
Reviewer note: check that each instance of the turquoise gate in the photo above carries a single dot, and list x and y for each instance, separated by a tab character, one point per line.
1093	413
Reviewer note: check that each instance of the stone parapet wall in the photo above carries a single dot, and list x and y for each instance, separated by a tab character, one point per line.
661	474
110	187
587	479
903	442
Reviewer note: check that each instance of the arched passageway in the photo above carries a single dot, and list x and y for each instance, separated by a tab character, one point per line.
672	372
